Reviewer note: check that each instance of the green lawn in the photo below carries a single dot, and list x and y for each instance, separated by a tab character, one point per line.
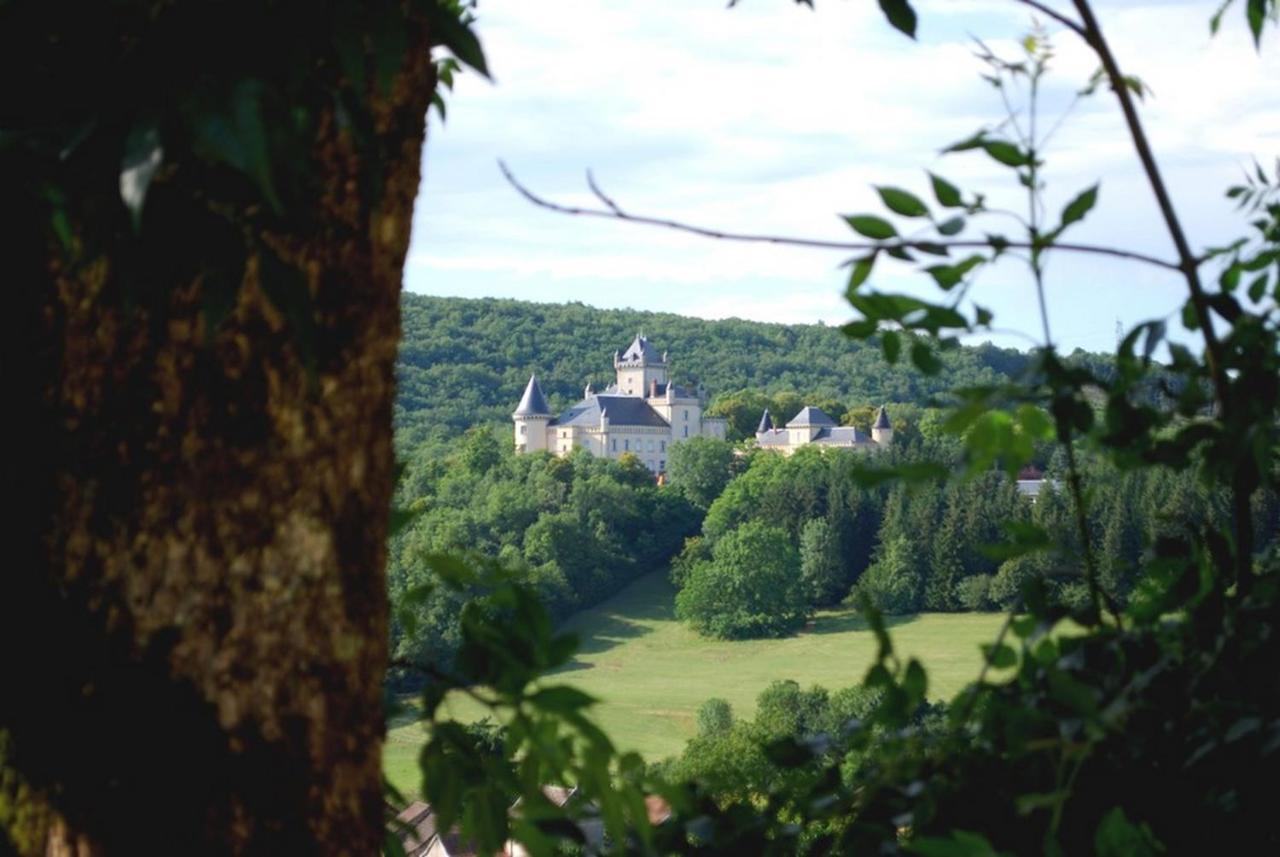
651	673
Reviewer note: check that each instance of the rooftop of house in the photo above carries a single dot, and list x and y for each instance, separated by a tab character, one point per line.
621	411
811	416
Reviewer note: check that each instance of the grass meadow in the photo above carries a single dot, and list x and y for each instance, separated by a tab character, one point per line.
651	673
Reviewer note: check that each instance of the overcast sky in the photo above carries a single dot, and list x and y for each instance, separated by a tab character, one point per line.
773	118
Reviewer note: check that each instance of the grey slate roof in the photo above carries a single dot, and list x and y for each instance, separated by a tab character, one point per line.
621	410
839	435
773	437
641	349
766	422
882	419
533	403
811	416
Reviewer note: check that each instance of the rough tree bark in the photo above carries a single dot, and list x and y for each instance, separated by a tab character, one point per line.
193	625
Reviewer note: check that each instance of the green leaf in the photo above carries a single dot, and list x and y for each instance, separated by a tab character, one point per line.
870	226
951	227
1001	656
924	358
948	276
933	249
1079	207
1118	837
234	132
974	142
449	29
947	194
915	681
1190	318
1258	287
891	343
961	843
561	698
1230	278
901	202
1255	13
143	155
1216	21
1006	153
900	15
861	270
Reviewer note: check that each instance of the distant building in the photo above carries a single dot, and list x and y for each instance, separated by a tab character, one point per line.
1031	481
813	426
641	413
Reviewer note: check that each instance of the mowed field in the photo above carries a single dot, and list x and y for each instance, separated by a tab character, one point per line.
651	673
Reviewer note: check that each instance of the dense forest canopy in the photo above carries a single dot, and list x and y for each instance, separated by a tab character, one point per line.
465	361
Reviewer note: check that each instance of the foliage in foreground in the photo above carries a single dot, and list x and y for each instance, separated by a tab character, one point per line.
1156	728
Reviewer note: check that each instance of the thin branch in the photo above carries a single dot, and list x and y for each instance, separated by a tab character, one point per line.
1189	265
613	212
1057	16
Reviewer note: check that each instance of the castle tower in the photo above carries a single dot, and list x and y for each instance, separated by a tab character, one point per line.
766	423
531	417
881	430
639	366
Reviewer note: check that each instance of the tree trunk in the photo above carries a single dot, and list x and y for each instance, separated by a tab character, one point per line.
195	619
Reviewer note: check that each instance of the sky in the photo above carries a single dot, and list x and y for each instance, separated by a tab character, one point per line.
773	118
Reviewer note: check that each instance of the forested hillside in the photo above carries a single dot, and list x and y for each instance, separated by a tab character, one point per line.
465	361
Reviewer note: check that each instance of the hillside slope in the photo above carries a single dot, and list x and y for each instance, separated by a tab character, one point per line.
465	361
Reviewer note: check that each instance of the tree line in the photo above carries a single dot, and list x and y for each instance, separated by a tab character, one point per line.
465	361
792	534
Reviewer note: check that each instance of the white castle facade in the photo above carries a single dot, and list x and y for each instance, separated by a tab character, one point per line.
641	413
813	426
644	414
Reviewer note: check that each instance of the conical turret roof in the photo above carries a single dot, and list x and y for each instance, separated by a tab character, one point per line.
533	403
882	419
766	422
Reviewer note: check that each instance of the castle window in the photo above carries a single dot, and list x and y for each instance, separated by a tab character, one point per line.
662	465
523	429
651	445
686	416
615	444
626	445
686	431
662	446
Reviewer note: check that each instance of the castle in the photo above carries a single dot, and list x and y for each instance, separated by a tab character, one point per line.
643	413
813	426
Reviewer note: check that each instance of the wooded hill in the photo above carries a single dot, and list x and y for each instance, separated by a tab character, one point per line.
464	361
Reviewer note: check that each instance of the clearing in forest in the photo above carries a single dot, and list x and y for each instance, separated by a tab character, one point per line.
651	673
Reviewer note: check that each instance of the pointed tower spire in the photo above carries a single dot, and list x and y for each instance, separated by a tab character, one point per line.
533	403
766	422
882	419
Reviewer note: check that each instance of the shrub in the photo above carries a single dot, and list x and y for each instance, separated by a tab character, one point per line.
715	716
973	593
750	588
892	581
